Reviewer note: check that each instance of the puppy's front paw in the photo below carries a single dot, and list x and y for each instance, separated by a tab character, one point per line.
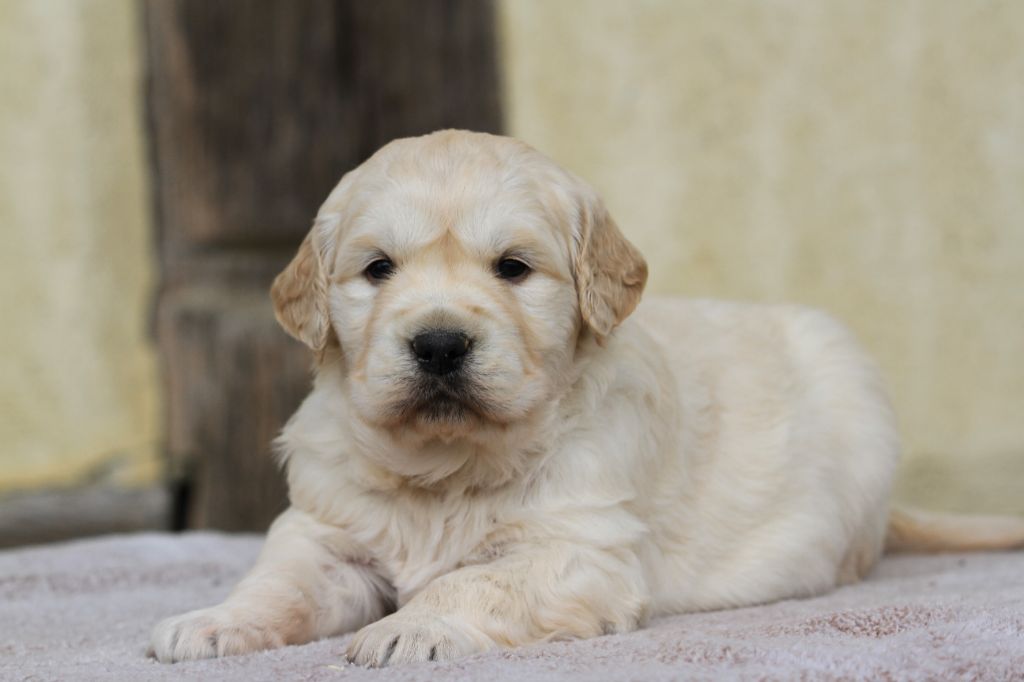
408	637
208	633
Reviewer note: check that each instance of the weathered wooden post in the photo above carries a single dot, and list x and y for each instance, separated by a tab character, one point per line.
255	110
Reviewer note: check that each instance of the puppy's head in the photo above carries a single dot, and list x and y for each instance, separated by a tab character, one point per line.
454	273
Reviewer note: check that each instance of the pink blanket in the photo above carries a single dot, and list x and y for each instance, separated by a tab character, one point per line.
83	611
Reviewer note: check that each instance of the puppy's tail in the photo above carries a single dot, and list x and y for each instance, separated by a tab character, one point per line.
912	530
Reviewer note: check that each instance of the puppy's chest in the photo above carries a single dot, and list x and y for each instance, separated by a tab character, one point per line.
416	540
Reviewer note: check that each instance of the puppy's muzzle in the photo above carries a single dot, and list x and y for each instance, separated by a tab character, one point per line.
441	351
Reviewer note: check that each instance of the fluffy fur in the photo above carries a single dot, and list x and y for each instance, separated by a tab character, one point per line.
585	472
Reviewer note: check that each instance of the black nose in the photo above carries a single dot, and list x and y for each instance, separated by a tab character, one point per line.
440	351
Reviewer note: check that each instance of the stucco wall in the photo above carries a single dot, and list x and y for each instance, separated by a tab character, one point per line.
77	373
863	156
866	157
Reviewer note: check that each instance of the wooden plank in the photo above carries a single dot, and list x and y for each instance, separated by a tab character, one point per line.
40	516
233	381
255	111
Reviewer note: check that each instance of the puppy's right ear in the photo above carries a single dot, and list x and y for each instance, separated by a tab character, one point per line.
299	293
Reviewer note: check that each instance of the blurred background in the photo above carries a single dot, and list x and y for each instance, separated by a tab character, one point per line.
160	160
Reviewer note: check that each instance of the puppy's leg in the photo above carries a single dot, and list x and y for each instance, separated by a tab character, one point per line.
308	583
537	591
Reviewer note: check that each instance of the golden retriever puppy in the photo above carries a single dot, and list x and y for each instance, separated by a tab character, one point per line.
493	454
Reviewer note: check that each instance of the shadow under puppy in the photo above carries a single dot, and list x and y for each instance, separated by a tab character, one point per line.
494	455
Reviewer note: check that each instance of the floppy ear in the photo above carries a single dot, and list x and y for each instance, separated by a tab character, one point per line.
610	272
299	294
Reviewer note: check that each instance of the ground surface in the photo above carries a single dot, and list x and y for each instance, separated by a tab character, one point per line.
83	611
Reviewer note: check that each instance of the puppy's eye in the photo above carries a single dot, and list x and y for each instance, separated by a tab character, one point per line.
379	270
512	269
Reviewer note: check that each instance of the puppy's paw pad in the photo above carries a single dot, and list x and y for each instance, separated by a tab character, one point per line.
405	638
207	633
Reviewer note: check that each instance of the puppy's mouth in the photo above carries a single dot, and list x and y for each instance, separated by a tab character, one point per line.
441	400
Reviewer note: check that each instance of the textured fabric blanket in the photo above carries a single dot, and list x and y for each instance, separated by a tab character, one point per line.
83	611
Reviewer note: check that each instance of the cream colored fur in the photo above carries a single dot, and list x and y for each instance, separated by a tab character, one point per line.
702	455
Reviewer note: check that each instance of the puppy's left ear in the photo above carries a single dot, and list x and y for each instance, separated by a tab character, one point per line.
610	272
299	293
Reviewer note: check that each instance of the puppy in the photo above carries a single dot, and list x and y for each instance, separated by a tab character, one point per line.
494	455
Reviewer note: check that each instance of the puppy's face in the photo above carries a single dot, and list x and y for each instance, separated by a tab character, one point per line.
451	297
455	272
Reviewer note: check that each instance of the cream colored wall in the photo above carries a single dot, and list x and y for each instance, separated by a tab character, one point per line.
863	156
77	372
